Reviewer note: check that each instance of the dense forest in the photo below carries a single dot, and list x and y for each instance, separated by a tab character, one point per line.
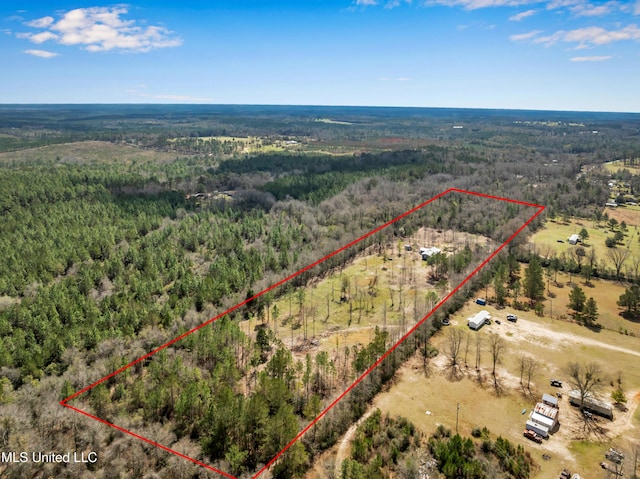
109	255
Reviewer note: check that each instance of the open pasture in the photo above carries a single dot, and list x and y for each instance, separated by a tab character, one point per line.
606	294
630	214
553	238
618	165
430	400
388	289
88	152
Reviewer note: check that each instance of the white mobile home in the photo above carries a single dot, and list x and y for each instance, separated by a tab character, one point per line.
592	404
574	239
537	428
476	321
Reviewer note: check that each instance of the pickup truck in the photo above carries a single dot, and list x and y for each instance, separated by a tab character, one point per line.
532	436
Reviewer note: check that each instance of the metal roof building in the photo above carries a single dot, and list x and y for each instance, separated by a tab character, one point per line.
476	321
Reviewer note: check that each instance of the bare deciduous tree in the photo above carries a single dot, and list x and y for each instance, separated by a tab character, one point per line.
454	344
496	346
478	350
467	343
585	378
531	370
618	256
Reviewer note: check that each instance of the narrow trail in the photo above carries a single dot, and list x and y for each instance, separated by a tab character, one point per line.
343	448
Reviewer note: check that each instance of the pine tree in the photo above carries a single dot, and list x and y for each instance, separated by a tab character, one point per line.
533	282
591	311
577	299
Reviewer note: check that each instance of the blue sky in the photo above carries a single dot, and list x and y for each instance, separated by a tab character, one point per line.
551	54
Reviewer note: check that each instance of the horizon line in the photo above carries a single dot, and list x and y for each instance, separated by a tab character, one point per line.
304	105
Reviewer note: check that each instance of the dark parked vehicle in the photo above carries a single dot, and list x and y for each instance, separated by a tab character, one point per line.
556	383
512	317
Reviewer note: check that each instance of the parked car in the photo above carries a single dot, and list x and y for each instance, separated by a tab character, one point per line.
560	241
512	317
556	383
531	435
498	321
445	322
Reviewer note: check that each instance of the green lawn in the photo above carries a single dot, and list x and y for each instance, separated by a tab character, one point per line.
547	241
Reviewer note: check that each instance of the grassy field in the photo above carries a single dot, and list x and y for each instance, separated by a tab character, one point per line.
245	144
628	213
336	323
617	165
88	152
547	239
385	291
432	400
605	293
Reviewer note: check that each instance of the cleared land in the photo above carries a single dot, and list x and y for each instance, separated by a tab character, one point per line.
547	239
618	165
431	399
627	213
84	152
606	295
236	144
377	289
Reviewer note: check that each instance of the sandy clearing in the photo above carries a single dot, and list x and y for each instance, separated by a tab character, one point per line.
531	332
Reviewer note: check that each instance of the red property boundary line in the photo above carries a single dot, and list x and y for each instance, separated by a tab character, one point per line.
65	401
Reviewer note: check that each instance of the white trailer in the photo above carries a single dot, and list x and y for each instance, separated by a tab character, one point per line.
592	404
476	321
537	428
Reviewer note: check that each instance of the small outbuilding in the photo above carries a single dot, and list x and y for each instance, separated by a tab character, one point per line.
550	400
476	321
427	253
574	239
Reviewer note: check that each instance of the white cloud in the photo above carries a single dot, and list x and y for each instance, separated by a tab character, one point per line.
519	16
388	4
554	4
42	37
43	22
476	4
636	8
524	36
41	53
592	59
589	10
591	36
101	29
